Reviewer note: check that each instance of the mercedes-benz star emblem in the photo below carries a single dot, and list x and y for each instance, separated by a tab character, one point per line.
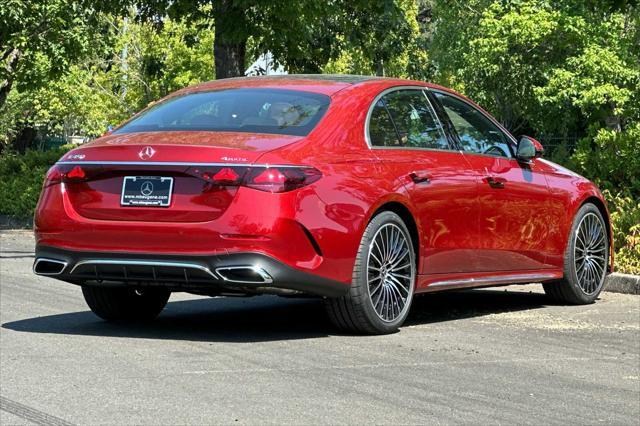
147	188
146	153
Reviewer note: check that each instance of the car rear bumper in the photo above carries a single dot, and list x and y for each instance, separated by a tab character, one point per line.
244	273
295	228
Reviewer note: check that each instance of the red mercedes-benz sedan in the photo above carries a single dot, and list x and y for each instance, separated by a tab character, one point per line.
361	190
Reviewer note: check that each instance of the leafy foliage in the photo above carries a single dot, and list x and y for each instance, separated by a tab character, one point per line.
556	69
39	40
559	67
144	64
612	160
22	176
625	219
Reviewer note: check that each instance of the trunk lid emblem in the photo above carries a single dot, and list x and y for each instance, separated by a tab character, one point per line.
146	153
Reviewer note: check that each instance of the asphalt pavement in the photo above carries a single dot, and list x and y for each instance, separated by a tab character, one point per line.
491	356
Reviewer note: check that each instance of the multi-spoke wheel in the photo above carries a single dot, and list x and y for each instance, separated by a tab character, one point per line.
590	248
586	259
390	272
383	279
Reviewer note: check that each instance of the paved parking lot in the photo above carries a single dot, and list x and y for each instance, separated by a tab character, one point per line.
482	356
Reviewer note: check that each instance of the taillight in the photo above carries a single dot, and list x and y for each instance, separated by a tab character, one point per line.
281	179
269	179
69	173
54	176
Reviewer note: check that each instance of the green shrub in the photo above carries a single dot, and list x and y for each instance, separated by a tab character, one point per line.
625	220
612	160
628	257
22	176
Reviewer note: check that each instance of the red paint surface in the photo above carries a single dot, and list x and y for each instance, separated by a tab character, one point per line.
465	227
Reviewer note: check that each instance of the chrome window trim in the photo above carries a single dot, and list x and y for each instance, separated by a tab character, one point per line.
510	137
416	148
158	263
434	114
174	163
497	279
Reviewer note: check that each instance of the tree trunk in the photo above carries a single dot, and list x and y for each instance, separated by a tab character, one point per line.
229	57
10	65
229	45
24	139
613	121
380	67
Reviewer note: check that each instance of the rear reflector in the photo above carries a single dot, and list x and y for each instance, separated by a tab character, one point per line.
226	175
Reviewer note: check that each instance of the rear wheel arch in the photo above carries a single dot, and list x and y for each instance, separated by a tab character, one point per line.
407	217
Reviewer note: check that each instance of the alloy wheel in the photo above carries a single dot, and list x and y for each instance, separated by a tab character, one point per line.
590	253
390	272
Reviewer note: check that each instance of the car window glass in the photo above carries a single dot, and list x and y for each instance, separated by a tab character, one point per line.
255	110
381	129
476	132
415	120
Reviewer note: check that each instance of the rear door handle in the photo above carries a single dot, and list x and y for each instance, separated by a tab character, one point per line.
420	177
495	182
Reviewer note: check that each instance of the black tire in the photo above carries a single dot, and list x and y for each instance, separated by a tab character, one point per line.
355	312
570	289
125	303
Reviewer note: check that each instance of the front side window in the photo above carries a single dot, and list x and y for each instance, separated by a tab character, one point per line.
259	110
476	132
404	118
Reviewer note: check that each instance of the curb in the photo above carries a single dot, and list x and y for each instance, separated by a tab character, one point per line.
622	283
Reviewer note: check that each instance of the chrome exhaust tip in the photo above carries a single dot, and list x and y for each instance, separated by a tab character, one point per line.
46	266
243	274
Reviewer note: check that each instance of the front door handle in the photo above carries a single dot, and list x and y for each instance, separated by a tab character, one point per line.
418	177
495	182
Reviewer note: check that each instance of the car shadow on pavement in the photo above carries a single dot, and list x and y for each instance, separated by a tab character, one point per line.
270	318
456	305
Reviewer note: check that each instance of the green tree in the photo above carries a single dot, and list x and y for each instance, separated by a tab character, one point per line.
144	64
555	66
59	30
303	35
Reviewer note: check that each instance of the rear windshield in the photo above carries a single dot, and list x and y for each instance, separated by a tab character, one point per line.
286	112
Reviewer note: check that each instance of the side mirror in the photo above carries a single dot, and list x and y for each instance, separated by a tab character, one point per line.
528	149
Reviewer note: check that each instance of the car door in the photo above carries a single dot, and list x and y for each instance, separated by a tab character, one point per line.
406	135
514	197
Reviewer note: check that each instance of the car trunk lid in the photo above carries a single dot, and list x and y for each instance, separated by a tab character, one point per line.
188	159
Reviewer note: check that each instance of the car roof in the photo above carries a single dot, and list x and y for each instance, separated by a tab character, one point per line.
326	84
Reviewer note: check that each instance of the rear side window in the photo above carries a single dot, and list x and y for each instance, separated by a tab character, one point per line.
405	118
382	132
286	112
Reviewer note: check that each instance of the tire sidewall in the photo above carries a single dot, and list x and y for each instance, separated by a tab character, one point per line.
570	266
361	270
